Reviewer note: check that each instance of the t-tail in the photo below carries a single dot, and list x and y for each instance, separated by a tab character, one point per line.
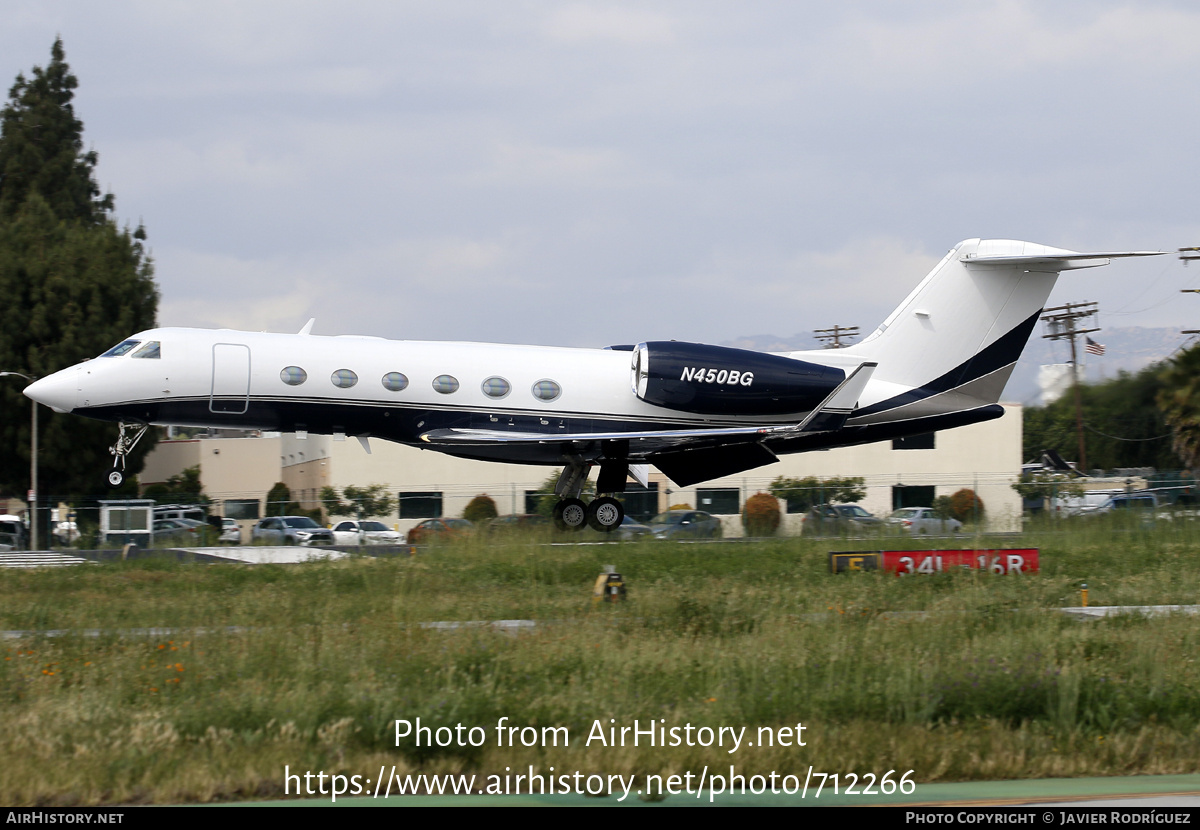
953	342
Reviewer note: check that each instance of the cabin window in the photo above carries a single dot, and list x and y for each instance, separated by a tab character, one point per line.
495	387
293	376
395	382
546	390
445	384
344	378
121	348
152	350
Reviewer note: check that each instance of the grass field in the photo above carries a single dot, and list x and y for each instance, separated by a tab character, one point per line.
955	676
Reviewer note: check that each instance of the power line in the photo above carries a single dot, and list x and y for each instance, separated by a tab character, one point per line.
1064	325
835	335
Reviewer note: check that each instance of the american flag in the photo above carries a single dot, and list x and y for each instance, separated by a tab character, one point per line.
1093	347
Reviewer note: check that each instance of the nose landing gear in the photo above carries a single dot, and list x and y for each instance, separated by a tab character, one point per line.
125	444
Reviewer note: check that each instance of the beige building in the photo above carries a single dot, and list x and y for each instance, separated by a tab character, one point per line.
238	472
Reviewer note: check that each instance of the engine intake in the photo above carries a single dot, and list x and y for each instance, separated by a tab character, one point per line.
717	380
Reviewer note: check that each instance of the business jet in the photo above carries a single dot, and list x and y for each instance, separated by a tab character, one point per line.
696	412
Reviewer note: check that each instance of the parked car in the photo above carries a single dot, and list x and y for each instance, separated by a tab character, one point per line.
921	521
685	524
231	532
839	520
189	532
365	533
432	530
290	530
1141	502
1075	505
629	530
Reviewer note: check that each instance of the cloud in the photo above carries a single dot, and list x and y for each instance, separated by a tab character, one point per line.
608	23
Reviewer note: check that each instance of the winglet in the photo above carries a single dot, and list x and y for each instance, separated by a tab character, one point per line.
308	326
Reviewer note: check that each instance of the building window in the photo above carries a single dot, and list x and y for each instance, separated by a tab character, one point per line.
723	501
293	376
241	508
533	500
344	378
420	505
909	496
924	441
445	384
395	382
546	390
496	387
640	502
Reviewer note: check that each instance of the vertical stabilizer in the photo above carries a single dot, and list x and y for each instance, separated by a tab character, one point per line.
953	342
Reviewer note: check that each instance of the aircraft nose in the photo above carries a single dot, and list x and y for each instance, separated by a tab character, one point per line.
57	391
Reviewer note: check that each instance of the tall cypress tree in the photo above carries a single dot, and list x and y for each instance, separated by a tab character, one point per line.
72	282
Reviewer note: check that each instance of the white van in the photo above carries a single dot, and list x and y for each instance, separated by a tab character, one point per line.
1090	500
13	534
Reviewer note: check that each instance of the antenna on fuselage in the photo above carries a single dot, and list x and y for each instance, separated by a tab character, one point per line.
308	326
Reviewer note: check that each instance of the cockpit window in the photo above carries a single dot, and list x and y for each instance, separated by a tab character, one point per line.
152	350
121	348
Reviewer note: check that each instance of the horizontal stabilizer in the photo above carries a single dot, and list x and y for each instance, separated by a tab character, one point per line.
1062	261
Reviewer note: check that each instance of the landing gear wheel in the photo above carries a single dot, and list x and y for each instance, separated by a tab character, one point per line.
116	478
605	514
570	514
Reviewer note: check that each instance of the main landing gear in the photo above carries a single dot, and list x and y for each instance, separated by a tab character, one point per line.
571	513
127	437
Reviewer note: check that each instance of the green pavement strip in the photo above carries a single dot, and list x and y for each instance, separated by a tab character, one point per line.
962	794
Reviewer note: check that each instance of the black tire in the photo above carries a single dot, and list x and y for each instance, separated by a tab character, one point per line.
605	514
570	514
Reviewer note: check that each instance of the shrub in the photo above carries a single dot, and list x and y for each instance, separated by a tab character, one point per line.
760	516
480	509
966	506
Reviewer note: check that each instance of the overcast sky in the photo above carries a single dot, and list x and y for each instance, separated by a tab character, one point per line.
587	173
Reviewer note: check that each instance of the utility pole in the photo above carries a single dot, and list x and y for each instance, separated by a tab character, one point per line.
1189	290
34	541
834	335
1062	323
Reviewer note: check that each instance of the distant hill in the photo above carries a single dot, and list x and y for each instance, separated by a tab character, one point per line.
1125	349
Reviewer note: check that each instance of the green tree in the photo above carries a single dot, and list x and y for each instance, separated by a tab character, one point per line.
802	493
184	487
361	502
1043	487
279	500
1179	400
1125	423
73	282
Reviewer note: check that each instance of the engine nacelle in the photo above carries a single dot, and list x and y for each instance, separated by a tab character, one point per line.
716	380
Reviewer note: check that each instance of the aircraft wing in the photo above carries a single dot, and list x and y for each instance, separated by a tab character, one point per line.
830	415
